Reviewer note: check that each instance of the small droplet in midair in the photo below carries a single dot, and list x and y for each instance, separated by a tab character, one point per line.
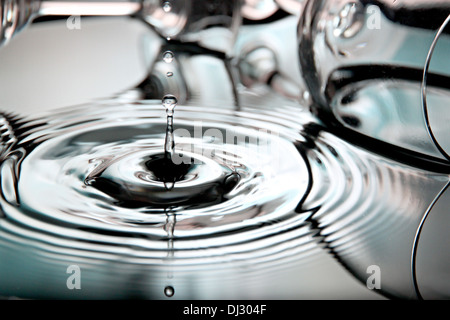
168	38
169	291
168	56
169	74
167	7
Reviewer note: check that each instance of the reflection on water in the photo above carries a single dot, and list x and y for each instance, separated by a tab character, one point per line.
297	190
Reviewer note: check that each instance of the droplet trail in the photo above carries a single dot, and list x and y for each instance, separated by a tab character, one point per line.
169	102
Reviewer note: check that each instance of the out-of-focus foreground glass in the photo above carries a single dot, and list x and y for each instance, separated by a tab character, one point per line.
364	63
379	76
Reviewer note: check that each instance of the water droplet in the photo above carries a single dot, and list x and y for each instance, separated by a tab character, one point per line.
167	7
169	74
169	227
169	291
169	185
169	102
168	56
168	38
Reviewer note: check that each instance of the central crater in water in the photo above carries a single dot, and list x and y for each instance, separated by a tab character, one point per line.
137	180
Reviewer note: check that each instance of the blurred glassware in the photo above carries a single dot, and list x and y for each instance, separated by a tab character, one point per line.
213	24
210	24
266	46
200	38
258	9
363	62
379	76
14	16
292	6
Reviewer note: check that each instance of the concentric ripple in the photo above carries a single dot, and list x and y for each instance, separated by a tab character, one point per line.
367	210
253	192
102	177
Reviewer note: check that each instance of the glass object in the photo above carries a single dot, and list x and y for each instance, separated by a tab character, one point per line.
292	6
258	9
364	64
265	52
213	24
378	75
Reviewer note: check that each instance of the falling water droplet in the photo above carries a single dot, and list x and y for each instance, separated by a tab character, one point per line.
169	103
168	56
169	227
169	291
169	74
167	7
